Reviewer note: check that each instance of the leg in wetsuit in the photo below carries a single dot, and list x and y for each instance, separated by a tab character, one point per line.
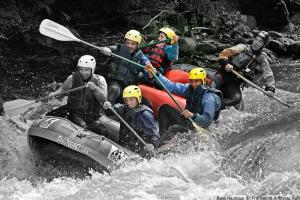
169	116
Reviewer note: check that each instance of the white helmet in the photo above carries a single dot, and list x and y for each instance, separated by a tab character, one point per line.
88	62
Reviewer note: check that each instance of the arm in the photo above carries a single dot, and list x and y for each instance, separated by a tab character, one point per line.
210	104
100	91
267	73
172	52
228	53
176	88
67	85
151	131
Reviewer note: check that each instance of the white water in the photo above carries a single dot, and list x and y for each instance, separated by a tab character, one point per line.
264	160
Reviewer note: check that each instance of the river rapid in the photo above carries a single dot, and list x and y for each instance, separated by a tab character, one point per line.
259	156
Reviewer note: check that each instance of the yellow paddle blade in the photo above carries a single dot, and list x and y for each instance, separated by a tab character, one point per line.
199	129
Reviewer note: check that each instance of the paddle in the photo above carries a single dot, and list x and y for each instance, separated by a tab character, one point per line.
127	125
260	89
19	106
59	32
154	43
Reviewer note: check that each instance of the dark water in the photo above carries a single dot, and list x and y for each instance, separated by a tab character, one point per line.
259	156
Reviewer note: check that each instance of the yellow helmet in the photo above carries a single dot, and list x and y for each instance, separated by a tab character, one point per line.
133	91
134	35
197	73
169	33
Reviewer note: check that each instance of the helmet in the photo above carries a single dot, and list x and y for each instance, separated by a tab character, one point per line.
134	36
169	33
88	62
265	36
133	91
198	73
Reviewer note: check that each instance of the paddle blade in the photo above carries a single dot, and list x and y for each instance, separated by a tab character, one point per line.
18	106
56	31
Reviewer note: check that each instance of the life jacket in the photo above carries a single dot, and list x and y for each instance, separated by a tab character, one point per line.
245	62
158	58
83	102
194	99
127	138
123	71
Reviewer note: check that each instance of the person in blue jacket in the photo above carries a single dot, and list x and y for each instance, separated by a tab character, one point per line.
202	103
140	117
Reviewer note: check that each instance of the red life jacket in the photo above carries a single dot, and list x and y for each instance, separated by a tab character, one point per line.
158	58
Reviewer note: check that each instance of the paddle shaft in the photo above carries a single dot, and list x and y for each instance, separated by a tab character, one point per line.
260	89
61	93
127	125
45	98
154	43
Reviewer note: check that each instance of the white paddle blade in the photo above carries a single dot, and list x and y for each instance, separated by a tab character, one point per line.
56	31
18	106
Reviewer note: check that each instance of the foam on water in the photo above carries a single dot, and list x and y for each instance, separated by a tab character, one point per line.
211	173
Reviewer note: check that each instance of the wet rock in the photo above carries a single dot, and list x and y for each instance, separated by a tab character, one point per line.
294	48
286	41
207	47
277	47
275	34
187	44
268	13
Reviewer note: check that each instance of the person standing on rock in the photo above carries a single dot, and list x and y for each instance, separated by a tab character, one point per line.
163	55
251	62
121	73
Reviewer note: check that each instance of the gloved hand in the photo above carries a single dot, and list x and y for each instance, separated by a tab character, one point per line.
149	147
106	51
91	85
228	67
106	105
270	91
150	69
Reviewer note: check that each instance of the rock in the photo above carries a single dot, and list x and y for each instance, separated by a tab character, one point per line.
275	34
187	44
268	13
207	47
277	47
286	41
209	58
294	48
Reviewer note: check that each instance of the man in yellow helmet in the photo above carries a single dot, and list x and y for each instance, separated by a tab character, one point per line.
163	55
120	73
139	117
203	104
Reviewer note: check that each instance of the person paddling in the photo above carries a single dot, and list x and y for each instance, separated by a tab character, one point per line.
140	118
121	73
203	104
84	107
